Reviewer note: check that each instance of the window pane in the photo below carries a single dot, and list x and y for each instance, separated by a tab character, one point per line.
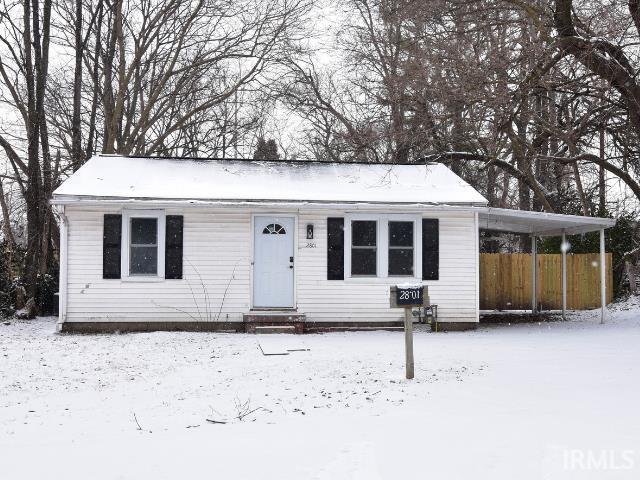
144	261
363	261
363	233
144	231
401	234
401	261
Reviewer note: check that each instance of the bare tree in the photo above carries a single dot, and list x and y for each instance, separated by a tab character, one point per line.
169	77
486	86
25	34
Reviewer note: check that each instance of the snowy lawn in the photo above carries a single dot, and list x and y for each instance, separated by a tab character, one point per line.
517	402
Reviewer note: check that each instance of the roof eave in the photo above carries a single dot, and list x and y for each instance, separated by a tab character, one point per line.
98	200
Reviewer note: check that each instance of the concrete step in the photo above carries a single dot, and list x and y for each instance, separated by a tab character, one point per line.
274	322
275	329
273	316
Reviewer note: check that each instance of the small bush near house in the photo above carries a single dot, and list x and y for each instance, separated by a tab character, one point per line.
12	288
47	287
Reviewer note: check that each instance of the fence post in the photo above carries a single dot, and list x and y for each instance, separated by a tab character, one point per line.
603	277
563	248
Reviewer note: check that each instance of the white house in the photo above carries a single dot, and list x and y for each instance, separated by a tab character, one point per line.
159	243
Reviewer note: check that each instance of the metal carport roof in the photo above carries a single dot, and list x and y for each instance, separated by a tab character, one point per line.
540	224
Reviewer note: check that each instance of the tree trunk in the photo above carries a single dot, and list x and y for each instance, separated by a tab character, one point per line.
36	53
602	187
32	197
76	133
578	180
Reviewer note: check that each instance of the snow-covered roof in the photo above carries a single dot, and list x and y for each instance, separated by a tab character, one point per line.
121	177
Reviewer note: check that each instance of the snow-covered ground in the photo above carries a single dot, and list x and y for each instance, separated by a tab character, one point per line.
542	401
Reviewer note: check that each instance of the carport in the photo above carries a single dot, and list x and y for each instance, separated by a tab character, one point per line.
542	224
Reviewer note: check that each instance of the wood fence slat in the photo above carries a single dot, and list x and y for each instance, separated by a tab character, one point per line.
505	281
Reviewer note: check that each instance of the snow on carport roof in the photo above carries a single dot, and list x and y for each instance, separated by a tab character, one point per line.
121	177
538	223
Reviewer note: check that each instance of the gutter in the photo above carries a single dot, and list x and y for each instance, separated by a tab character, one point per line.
185	202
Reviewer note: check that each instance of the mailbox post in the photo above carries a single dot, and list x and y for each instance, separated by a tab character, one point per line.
407	297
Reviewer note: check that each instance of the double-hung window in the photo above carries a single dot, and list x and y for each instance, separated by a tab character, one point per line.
382	246
143	253
401	252
364	250
143	248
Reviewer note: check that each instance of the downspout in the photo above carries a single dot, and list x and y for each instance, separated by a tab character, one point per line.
62	289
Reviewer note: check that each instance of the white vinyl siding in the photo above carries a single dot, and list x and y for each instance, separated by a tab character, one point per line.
217	258
368	299
216	254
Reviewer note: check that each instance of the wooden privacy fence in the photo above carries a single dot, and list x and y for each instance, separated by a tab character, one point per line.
505	281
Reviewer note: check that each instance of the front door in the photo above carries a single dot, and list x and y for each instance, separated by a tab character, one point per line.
273	262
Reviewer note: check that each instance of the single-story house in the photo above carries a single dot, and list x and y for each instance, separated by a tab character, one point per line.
217	244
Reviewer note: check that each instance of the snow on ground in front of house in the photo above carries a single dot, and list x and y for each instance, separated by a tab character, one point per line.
522	401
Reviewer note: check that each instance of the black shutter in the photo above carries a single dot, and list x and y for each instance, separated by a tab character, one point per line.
430	249
173	247
111	246
335	248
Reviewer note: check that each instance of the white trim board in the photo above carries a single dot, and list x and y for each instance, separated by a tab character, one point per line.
127	215
382	249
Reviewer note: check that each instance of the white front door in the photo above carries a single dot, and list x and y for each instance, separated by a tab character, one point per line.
273	261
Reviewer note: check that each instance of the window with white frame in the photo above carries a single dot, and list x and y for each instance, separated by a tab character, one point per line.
143	248
143	255
382	246
401	254
364	251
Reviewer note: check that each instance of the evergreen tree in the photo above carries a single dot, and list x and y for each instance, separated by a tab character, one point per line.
266	150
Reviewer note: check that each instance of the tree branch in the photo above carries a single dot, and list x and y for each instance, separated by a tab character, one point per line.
535	186
588	157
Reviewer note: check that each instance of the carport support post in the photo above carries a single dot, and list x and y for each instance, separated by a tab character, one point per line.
563	250
603	277
534	275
